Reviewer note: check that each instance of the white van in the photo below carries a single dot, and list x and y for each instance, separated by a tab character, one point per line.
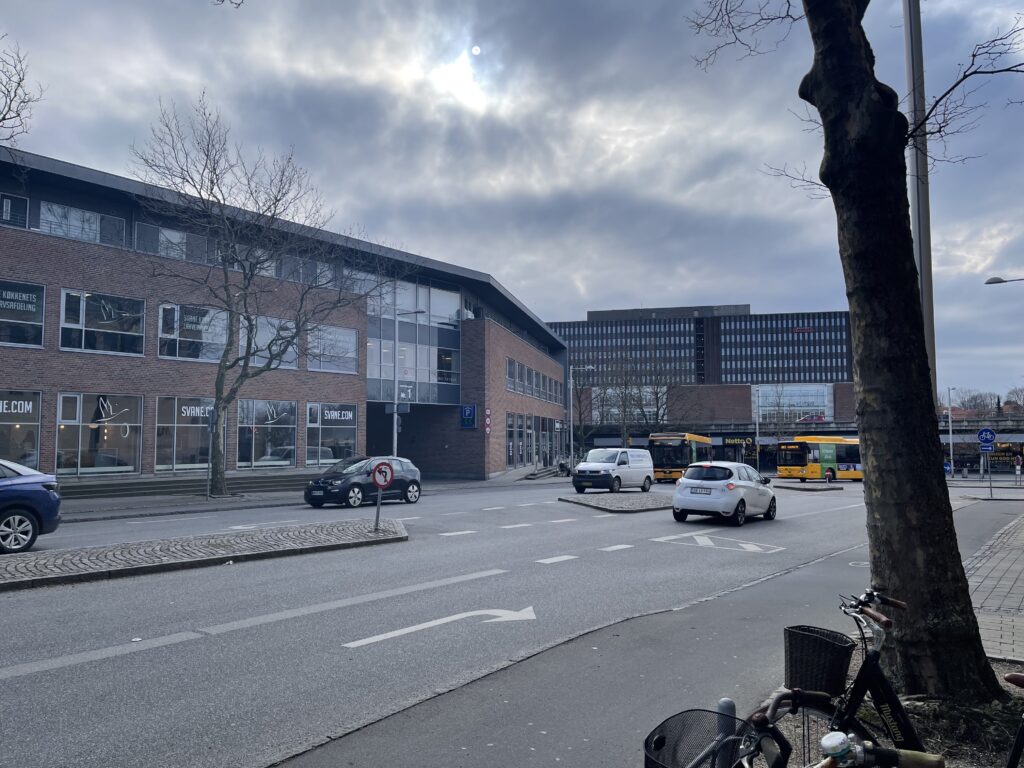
614	468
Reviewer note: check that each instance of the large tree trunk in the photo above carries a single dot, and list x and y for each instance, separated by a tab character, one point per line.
913	545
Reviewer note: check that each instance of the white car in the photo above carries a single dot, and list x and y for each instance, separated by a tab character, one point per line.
723	489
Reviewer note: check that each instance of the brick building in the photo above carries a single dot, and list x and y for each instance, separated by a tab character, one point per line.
107	356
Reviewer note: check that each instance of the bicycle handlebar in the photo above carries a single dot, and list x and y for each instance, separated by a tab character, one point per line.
871	756
891	602
881	619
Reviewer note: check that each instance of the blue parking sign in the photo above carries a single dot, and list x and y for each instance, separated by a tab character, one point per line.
467	417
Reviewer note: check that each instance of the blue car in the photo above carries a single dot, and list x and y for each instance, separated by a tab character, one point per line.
29	506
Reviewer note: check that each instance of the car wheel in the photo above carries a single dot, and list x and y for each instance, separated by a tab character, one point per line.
412	493
354	496
739	515
18	531
616	484
803	479
770	513
680	515
830	476
579	489
316	504
647	485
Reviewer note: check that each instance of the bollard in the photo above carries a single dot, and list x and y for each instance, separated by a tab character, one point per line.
963	472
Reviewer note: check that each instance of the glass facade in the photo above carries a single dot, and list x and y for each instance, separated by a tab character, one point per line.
21	314
63	220
192	333
97	322
98	434
19	427
266	433
330	432
415	327
182	435
533	439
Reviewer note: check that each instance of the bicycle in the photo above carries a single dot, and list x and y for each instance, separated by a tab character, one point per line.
816	694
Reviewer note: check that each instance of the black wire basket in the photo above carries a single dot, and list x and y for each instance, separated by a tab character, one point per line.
817	659
699	738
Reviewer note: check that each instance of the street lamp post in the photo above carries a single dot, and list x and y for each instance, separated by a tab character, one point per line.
394	392
572	452
952	466
757	426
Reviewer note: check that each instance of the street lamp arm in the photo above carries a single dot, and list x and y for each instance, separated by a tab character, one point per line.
998	280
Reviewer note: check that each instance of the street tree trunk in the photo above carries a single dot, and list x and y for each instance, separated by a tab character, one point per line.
913	545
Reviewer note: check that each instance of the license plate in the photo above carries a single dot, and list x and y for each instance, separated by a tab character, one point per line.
586	482
704	491
316	493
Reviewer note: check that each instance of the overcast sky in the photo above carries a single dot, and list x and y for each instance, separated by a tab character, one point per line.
580	156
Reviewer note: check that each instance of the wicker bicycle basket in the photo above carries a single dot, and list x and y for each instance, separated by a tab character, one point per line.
817	659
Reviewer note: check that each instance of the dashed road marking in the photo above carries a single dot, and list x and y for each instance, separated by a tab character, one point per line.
491	509
616	547
549	502
446	514
602	516
531	504
564	520
559	559
456	533
407	518
517	525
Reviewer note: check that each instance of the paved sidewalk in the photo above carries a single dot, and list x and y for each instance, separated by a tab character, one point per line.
995	575
63	566
625	501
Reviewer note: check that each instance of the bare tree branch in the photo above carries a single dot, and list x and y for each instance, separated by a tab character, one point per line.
734	25
17	95
800	179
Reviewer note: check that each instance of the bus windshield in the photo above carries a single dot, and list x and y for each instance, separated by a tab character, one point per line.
670	454
792	455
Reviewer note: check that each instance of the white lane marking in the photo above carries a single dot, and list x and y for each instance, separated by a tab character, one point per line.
403	519
549	502
559	559
564	520
517	525
684	535
446	514
456	533
596	516
491	509
293	613
703	541
531	504
155	522
526	614
616	547
750	547
724	542
44	665
820	511
251	526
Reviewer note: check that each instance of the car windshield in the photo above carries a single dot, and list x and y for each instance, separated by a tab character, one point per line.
708	473
344	464
603	455
361	466
18	469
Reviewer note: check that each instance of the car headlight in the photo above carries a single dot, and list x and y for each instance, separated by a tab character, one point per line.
336	482
606	471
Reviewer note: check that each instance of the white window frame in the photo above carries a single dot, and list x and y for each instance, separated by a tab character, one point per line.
42	344
81	324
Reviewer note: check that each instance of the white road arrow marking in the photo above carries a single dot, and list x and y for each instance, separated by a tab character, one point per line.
526	614
703	541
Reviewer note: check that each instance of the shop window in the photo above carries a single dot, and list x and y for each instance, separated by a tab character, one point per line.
330	432
192	333
21	314
266	433
98	434
182	433
71	222
96	322
19	427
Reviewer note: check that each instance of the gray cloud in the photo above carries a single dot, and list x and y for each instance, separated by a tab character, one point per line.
582	158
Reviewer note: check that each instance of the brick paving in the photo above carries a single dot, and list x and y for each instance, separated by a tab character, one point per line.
995	574
33	569
624	501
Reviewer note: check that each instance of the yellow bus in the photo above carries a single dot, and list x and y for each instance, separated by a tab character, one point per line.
673	452
814	457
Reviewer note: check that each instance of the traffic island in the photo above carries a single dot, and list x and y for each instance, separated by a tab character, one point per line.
66	566
818	487
627	501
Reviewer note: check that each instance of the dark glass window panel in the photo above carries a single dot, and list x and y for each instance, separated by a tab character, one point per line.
113	313
165	410
21	333
71	338
165	445
373	389
447	338
147	238
448	394
72	308
407	332
373	327
423	335
13	211
111	230
169	347
123	343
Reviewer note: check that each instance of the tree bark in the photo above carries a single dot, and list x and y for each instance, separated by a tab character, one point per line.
914	555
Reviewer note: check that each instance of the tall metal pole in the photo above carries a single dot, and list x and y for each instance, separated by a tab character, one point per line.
571	445
394	393
952	466
920	215
757	426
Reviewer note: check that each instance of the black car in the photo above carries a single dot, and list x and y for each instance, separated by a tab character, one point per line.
350	483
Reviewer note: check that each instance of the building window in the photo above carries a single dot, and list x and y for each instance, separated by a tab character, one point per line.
330	432
173	244
510	440
14	211
71	222
333	349
98	434
275	340
21	314
510	374
96	322
266	433
192	333
19	427
182	433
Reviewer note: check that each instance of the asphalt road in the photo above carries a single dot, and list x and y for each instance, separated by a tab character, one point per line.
246	665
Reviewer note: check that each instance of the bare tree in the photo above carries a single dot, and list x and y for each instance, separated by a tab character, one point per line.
247	253
912	540
980	402
1014	395
17	95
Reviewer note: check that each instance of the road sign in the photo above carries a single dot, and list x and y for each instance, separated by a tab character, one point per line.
487	411
986	435
467	417
987	447
487	430
946	467
383	475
